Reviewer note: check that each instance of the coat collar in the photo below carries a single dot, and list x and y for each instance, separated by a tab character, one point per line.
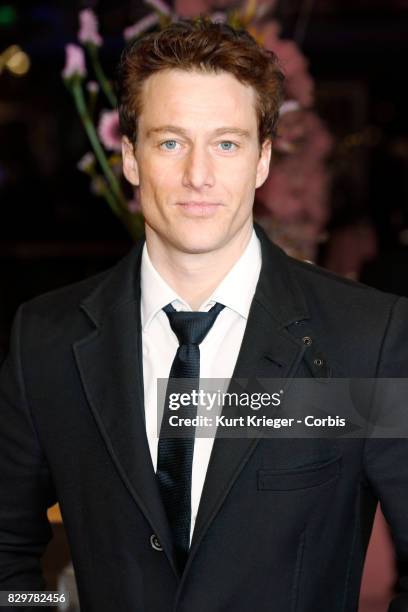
277	290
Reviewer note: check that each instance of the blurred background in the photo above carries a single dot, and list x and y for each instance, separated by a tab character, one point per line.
337	193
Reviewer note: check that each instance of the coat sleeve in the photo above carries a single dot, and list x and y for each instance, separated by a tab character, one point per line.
386	460
26	488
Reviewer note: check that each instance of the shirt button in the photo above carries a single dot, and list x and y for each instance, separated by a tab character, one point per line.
154	542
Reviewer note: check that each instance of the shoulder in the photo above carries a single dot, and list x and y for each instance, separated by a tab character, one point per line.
343	294
363	329
65	314
325	296
65	299
111	284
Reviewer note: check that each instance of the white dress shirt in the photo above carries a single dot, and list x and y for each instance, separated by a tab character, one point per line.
218	351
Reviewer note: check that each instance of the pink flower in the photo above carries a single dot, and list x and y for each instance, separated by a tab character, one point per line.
297	188
108	130
319	141
74	62
301	87
222	4
290	57
187	9
263	7
289	106
279	195
92	87
298	84
159	6
270	33
88	30
140	26
291	127
219	17
86	163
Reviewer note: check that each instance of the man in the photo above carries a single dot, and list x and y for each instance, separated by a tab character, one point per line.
269	524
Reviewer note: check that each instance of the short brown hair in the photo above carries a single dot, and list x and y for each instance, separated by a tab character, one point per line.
203	45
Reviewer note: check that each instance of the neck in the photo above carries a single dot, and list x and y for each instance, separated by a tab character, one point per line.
194	276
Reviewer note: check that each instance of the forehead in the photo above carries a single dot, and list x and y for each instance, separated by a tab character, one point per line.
197	99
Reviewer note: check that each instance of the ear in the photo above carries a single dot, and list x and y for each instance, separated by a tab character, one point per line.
130	167
263	163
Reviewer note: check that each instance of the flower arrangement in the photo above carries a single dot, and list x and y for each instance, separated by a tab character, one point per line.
103	164
293	202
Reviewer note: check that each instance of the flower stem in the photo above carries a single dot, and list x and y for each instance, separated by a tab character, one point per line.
100	75
109	197
83	112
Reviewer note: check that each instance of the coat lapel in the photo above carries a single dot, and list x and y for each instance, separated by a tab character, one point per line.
268	350
110	363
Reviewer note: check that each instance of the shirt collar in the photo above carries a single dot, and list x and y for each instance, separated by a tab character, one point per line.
156	293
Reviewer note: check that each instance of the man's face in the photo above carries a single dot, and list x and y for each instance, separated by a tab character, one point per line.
197	158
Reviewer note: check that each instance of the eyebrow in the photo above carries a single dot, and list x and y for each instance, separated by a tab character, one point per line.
179	130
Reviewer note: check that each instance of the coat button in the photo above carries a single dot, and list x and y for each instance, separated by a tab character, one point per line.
154	542
318	362
307	340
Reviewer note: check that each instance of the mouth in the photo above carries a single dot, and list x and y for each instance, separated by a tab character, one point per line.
199	209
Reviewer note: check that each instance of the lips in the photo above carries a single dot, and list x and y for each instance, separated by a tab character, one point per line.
194	203
199	209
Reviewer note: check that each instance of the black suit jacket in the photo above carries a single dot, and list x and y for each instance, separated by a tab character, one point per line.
72	429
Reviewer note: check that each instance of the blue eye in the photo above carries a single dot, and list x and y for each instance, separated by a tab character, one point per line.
169	142
227	142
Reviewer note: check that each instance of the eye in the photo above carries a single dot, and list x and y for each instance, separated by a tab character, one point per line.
172	144
228	148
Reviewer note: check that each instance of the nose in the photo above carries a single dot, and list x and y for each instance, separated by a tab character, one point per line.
198	169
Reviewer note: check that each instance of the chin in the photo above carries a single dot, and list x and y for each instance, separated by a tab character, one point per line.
198	247
198	239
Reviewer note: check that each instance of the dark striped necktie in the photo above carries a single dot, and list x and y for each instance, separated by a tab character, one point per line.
175	454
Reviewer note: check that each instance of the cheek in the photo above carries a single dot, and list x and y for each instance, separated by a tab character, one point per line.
245	171
242	184
159	177
158	186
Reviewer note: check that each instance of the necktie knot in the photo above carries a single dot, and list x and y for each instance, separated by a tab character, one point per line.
192	327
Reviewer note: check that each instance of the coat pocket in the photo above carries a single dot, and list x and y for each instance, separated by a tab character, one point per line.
299	478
